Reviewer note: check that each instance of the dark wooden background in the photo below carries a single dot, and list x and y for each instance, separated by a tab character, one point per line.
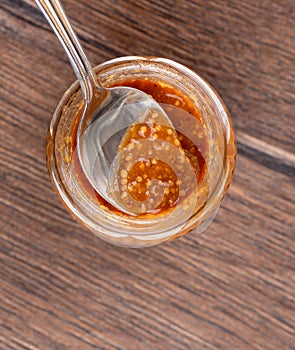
231	287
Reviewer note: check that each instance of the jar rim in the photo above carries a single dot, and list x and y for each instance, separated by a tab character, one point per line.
75	87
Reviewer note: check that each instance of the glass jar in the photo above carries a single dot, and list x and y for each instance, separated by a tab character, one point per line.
84	203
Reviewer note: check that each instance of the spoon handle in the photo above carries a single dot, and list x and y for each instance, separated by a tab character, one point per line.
55	15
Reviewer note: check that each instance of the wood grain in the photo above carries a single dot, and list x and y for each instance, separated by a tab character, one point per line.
229	288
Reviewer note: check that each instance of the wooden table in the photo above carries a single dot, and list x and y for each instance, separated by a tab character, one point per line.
231	287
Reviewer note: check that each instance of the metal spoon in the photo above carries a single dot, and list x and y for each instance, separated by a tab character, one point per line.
108	112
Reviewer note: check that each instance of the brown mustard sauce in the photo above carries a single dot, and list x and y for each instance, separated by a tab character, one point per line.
188	138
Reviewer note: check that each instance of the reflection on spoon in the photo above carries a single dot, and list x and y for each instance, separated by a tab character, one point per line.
151	172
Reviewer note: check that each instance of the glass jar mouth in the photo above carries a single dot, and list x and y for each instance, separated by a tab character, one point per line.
219	128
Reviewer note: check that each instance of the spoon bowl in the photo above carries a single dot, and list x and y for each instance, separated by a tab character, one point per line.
102	127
